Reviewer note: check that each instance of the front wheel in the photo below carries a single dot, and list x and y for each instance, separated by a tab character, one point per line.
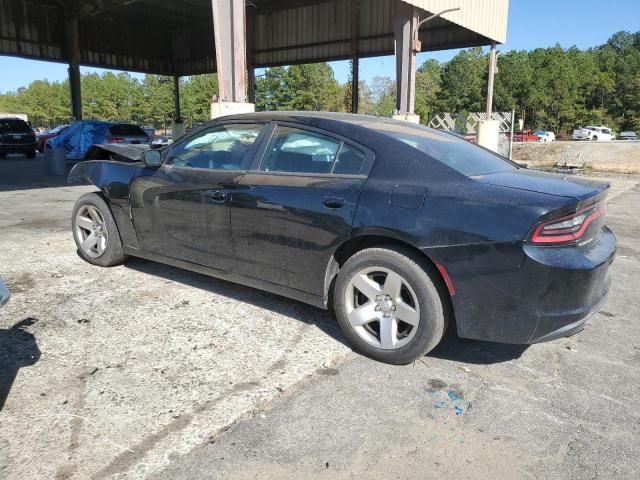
31	154
594	138
388	305
95	232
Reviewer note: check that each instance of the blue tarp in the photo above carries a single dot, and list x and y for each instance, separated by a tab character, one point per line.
77	139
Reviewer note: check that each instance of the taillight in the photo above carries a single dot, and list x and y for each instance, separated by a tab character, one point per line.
115	140
568	228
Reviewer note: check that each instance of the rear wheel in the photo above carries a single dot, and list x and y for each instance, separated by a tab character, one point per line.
388	305
95	232
31	154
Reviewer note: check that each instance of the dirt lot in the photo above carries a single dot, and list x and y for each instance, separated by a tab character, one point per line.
147	371
615	156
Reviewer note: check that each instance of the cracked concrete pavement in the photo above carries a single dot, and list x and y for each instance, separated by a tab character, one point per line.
148	371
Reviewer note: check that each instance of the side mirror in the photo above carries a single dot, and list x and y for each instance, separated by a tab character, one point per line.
151	158
4	294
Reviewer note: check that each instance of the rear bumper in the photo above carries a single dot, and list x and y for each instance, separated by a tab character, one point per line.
526	294
17	147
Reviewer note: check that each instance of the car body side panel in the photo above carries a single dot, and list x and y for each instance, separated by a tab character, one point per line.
283	231
114	181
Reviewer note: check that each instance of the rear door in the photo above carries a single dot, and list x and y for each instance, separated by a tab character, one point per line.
182	209
296	205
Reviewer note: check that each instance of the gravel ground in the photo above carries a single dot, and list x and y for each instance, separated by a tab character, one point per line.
147	371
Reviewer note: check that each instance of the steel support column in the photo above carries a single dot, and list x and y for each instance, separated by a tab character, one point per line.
405	25
73	54
177	116
492	74
229	32
355	58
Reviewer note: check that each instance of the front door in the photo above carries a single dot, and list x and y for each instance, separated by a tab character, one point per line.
291	211
182	210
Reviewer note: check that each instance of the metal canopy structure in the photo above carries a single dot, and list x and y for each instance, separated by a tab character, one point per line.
176	37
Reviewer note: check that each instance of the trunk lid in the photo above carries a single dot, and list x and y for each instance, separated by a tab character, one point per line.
547	183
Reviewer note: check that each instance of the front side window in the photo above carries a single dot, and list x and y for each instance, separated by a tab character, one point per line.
222	147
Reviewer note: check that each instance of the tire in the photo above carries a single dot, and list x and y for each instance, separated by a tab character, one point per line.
3	154
31	154
356	302
594	138
92	216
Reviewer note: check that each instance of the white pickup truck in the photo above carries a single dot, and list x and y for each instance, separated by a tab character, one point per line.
597	134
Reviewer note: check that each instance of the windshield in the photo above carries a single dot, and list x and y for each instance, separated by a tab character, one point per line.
446	148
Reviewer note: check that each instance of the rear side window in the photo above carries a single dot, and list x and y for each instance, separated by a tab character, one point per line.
20	126
294	150
126	129
452	151
349	161
299	151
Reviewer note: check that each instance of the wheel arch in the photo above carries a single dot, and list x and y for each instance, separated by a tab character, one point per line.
380	238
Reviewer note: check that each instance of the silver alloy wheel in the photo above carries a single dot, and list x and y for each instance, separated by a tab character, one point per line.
382	308
91	231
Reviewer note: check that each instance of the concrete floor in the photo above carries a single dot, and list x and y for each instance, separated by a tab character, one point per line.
147	371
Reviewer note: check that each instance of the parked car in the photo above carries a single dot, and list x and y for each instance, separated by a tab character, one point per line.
396	227
127	133
545	136
597	134
160	141
77	139
43	137
627	136
4	294
525	136
16	136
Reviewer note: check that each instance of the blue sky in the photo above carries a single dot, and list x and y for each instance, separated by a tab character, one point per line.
543	23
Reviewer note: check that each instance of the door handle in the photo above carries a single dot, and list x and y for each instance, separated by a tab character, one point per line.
333	202
218	196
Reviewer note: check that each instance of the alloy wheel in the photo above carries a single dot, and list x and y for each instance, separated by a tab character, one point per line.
91	231
382	307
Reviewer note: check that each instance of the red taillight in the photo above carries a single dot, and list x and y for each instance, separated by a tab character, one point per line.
115	140
568	228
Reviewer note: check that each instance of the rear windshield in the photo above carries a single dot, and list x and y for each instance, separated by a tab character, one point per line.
446	148
126	129
7	125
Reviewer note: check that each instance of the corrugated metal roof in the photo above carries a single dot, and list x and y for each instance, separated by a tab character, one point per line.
176	37
486	17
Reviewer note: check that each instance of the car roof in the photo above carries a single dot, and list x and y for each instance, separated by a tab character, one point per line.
306	117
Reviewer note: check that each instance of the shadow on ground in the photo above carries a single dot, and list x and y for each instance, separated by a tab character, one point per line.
323	319
451	348
475	352
18	349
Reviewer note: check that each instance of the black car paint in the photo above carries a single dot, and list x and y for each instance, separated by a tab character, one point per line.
280	233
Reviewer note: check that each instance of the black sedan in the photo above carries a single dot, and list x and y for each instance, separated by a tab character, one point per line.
400	229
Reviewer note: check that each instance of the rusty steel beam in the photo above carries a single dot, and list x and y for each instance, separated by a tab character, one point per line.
405	28
230	44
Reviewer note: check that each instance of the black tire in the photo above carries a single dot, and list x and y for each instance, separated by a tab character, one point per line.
113	253
594	138
31	154
3	154
420	275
